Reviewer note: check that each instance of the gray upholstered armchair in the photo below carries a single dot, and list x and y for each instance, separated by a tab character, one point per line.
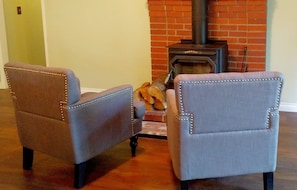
224	125
53	116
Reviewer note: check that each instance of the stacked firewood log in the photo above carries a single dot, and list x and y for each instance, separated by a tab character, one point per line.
152	94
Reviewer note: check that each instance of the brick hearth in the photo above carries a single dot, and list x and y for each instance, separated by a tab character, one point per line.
155	115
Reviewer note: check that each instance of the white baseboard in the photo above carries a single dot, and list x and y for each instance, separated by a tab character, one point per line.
83	90
288	107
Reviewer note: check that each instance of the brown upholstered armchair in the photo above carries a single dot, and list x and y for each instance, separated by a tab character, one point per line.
53	116
224	124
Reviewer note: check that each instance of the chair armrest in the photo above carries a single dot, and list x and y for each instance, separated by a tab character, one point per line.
177	124
171	102
96	107
139	106
99	121
139	109
173	117
89	97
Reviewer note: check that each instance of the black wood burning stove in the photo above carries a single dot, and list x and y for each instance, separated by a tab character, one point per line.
199	55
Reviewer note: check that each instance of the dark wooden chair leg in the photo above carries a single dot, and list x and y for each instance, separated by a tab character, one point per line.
133	144
268	181
79	174
27	158
184	185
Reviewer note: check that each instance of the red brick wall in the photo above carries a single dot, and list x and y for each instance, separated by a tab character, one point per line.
241	22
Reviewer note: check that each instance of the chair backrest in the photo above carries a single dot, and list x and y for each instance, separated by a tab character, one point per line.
41	90
229	101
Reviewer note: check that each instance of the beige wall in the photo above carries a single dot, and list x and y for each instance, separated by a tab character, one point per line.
25	31
3	48
106	42
34	32
281	46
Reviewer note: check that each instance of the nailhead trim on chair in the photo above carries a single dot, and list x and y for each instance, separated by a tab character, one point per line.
46	73
132	113
8	83
204	82
61	109
270	114
191	123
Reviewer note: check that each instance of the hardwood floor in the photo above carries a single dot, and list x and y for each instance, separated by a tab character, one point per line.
116	169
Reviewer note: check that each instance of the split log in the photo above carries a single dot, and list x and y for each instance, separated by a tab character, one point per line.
157	90
153	95
142	95
160	105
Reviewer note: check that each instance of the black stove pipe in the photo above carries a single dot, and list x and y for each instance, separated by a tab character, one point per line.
199	21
